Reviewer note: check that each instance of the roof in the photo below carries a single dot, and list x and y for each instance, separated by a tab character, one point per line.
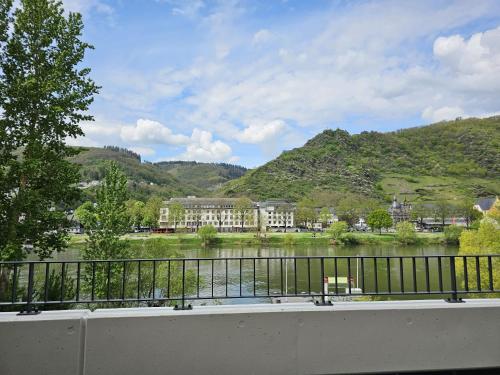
486	203
275	202
193	201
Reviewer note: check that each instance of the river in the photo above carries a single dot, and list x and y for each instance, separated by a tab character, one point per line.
282	279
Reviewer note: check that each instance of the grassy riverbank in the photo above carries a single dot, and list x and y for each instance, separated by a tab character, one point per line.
270	239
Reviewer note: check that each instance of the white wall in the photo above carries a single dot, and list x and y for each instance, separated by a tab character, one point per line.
349	337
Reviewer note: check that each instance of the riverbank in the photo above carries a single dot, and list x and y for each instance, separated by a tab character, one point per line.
272	239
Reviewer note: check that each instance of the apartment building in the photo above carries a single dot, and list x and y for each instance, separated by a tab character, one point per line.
221	213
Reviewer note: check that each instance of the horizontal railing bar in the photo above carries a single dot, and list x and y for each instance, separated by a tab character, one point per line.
245	258
250	296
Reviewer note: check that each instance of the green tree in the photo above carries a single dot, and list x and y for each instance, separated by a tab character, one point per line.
44	94
152	212
485	240
466	210
443	210
405	232
337	230
379	219
452	234
176	213
494	212
104	222
207	234
348	210
135	211
306	213
243	209
107	219
419	212
324	216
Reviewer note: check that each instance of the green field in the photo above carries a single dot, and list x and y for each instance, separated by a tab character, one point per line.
270	239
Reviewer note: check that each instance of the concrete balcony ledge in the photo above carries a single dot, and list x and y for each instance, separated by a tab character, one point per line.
294	338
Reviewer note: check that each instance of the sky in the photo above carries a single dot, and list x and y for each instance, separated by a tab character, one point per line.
241	81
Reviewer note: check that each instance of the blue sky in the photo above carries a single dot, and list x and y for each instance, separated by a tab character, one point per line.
241	81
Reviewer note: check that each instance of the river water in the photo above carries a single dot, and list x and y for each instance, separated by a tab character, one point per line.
224	278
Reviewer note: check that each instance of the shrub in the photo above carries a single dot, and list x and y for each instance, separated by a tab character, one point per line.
405	232
207	234
289	239
54	290
337	229
452	234
349	239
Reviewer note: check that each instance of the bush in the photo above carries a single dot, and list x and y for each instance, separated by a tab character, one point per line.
405	232
349	239
289	239
337	229
54	290
452	234
207	234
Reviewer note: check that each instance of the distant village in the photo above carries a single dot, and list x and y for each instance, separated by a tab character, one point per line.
281	216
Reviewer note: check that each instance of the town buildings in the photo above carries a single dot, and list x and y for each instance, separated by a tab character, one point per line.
483	205
223	214
399	211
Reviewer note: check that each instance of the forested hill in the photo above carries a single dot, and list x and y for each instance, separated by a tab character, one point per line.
204	175
166	179
446	160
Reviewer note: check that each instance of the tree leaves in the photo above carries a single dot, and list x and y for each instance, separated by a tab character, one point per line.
44	95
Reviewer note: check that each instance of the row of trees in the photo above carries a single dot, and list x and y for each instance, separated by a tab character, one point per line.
444	209
349	207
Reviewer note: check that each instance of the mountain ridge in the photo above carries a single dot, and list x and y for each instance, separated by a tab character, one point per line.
166	179
443	160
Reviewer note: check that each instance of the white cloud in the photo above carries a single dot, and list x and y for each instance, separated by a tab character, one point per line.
203	148
143	151
187	8
262	36
260	132
442	114
479	55
86	6
151	132
146	136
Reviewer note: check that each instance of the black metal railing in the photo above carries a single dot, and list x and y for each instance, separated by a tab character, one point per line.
31	286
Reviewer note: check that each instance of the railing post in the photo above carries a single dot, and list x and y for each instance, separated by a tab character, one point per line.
323	302
29	309
453	278
183	300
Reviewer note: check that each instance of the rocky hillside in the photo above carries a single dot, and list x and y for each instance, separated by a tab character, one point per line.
444	160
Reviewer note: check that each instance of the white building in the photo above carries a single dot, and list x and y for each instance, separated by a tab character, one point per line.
220	212
276	214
